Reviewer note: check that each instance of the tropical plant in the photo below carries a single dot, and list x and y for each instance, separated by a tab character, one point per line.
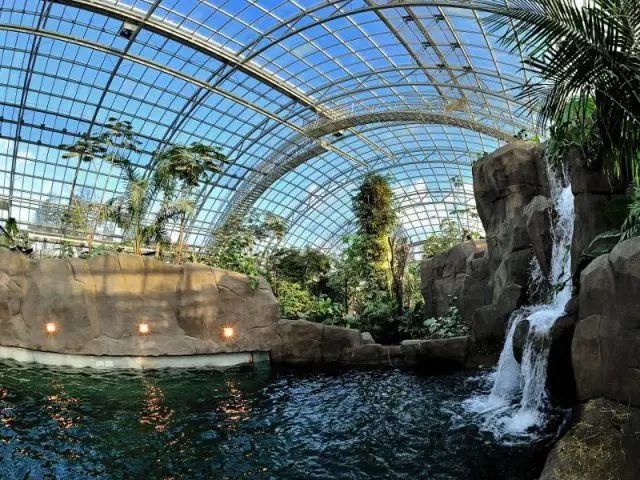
376	218
14	238
130	210
581	54
113	145
450	235
631	226
309	267
181	168
449	325
234	245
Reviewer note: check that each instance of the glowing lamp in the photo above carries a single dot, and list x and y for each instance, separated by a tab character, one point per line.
51	328
227	332
143	329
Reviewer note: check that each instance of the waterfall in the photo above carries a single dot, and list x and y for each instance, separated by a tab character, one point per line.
518	400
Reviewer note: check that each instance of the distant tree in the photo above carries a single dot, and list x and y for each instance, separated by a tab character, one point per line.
400	254
234	246
450	235
183	168
376	218
309	267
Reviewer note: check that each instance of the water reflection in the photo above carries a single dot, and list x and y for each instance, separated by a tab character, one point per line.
61	407
154	412
234	407
253	423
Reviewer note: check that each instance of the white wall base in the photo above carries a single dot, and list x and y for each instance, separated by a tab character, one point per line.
218	360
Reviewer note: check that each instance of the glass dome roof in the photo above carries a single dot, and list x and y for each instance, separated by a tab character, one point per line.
305	96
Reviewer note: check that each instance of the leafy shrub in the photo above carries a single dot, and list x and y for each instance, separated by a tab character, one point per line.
294	300
451	325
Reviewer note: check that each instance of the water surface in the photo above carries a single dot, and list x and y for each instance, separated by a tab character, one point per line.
257	422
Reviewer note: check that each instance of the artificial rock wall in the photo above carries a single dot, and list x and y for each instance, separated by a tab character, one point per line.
97	305
490	281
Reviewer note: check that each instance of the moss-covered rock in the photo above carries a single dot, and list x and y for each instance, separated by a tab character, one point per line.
603	444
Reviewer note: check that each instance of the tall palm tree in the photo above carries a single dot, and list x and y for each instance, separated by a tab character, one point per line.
578	54
184	168
113	145
130	210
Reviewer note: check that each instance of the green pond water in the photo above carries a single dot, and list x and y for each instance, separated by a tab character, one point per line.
255	422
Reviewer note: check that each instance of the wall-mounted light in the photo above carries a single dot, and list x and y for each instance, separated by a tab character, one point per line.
143	329
228	332
51	328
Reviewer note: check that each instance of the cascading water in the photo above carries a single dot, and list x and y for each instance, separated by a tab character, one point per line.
518	400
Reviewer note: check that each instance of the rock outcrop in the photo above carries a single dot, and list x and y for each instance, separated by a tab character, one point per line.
458	276
606	343
507	183
593	192
97	305
602	444
301	342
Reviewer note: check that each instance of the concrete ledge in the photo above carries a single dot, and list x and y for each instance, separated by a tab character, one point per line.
219	360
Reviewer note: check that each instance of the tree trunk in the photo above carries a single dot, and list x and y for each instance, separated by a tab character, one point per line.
91	236
180	241
157	250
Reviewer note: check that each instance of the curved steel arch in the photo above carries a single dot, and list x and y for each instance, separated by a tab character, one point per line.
300	215
244	198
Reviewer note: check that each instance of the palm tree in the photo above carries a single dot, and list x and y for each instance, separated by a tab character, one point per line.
113	145
577	55
183	168
130	210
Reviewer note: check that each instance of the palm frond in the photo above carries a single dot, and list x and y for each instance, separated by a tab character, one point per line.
589	53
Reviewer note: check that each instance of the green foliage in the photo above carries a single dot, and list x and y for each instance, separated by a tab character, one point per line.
254	283
450	325
574	133
617	211
295	300
188	164
588	54
376	218
14	238
309	267
450	235
631	225
234	245
525	135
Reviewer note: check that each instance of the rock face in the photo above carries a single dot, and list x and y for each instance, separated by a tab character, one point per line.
560	380
458	275
606	343
602	444
301	342
593	191
538	215
97	305
507	183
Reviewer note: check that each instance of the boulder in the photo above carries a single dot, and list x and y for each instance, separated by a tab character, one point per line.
457	276
367	339
538	216
593	192
519	339
603	443
606	344
301	342
505	182
436	354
